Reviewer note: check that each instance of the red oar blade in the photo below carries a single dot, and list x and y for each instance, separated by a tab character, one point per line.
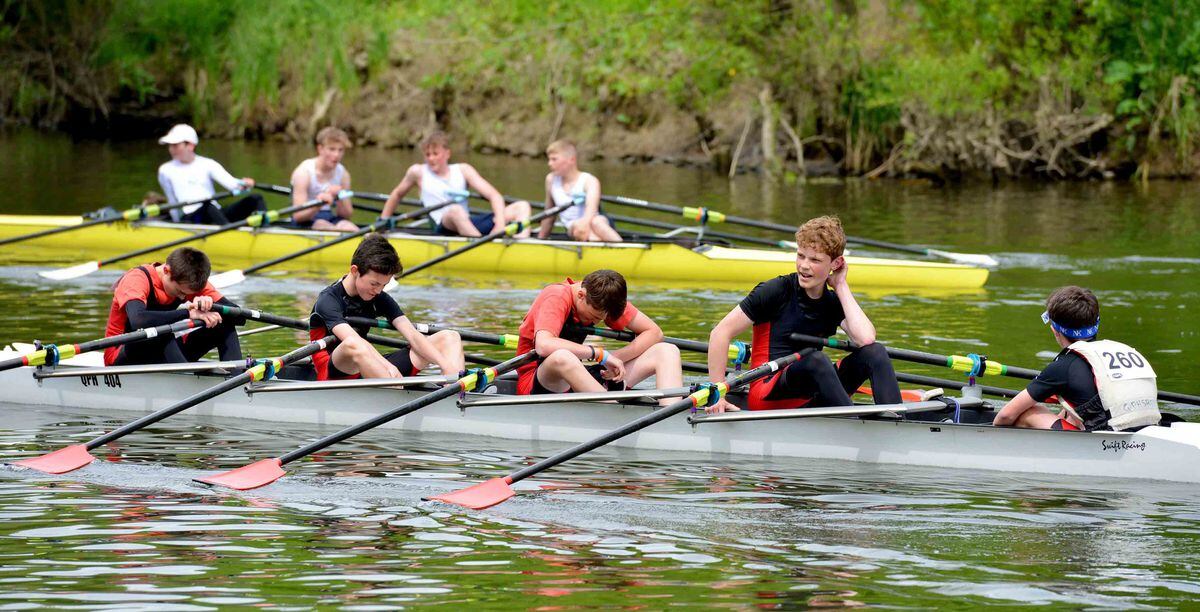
253	476
477	497
60	461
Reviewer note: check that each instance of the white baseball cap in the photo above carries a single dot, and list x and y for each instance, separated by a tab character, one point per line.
180	133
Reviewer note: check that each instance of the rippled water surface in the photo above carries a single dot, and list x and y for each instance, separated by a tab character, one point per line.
635	529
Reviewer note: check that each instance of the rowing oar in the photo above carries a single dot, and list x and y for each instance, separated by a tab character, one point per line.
972	364
255	220
505	340
496	490
233	277
76	456
266	471
136	213
705	216
301	324
51	354
739	353
509	230
672	227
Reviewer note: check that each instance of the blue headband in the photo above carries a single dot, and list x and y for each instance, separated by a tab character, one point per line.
1074	334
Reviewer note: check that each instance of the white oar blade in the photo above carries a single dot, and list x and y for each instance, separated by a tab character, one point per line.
391	286
972	259
227	279
72	272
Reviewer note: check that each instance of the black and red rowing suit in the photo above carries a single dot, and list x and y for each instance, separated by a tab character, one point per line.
780	307
332	308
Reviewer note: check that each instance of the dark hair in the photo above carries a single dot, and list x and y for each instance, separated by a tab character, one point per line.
1073	307
376	254
189	267
606	290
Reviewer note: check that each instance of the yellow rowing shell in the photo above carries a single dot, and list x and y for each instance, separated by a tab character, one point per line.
666	264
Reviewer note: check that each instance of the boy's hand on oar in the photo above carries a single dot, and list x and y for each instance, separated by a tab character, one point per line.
210	318
720	407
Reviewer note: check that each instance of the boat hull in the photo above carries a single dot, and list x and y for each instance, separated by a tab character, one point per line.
659	262
1160	453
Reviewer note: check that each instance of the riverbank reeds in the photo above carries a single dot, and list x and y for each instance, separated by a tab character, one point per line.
938	88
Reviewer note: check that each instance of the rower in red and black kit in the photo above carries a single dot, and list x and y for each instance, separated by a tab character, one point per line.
815	300
150	295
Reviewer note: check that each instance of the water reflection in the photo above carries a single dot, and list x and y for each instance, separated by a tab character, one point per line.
631	528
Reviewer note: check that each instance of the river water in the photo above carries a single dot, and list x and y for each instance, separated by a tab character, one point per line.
646	530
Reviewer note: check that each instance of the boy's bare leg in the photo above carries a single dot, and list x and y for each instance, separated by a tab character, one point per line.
562	372
357	356
663	361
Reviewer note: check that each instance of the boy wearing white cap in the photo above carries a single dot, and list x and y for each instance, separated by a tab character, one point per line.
189	177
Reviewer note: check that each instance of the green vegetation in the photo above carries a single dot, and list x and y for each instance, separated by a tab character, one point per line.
1060	88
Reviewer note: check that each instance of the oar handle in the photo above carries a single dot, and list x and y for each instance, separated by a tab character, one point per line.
466	383
701	397
265	369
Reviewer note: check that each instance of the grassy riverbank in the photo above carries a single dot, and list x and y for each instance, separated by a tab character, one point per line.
1054	88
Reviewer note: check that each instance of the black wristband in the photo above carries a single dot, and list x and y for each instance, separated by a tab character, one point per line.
593	347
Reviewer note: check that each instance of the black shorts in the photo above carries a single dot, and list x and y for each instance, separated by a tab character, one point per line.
401	359
594	369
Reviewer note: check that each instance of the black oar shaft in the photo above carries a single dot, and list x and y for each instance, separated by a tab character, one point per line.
362	231
262	217
132	214
407	408
38	357
481	241
949	361
207	394
645	421
930	381
760	224
266	317
316	247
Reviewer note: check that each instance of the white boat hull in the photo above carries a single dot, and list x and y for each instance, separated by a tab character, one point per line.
1160	453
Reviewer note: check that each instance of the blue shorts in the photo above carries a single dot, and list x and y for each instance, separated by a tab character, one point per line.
324	215
484	223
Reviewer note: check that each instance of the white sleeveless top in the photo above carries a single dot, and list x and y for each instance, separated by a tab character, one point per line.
577	195
436	189
315	186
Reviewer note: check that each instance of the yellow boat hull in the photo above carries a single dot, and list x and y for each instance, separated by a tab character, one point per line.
664	264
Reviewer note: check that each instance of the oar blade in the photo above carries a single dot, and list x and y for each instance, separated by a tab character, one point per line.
60	461
253	476
227	279
972	259
391	286
73	272
477	497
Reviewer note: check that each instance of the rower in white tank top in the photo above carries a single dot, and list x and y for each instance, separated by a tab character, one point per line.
436	189
315	186
576	195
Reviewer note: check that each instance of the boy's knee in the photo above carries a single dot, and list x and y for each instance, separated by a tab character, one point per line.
874	352
816	361
560	359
